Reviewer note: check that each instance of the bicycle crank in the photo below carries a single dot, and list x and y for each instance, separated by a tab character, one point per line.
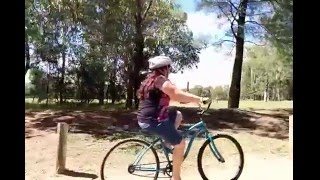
168	170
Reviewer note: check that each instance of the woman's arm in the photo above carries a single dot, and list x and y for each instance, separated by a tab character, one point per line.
174	93
178	95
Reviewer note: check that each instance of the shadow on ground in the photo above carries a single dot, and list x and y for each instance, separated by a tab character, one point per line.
123	124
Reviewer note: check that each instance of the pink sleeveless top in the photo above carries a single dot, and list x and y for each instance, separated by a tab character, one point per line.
154	104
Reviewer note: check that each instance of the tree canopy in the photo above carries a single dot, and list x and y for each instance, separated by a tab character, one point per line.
95	49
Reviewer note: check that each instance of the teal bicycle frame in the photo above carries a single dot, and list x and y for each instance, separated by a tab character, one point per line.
197	129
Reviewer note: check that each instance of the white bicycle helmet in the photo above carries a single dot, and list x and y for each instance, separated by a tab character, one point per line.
159	61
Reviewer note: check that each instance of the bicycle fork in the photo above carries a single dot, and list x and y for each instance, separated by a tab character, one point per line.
214	149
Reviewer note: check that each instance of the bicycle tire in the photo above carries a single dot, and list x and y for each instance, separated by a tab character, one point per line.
126	141
233	140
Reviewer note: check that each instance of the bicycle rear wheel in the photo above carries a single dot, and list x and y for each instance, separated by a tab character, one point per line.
123	162
232	155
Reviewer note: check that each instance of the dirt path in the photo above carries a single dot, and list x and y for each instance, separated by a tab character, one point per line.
267	160
263	136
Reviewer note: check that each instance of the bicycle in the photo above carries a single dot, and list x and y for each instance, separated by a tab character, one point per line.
192	131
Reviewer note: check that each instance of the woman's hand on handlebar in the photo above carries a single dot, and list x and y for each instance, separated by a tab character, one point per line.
205	100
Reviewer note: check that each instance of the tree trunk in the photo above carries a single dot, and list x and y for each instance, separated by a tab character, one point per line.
188	87
251	82
27	54
47	91
129	93
129	81
265	94
107	93
278	94
47	101
61	83
234	93
101	93
138	52
112	91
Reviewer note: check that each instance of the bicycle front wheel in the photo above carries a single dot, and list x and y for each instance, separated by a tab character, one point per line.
231	166
130	159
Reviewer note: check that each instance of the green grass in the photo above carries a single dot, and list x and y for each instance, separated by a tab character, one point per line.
94	106
53	101
248	104
89	107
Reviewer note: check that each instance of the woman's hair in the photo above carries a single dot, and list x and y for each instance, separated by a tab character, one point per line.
148	83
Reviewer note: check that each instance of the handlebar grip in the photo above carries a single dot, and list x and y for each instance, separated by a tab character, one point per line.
205	101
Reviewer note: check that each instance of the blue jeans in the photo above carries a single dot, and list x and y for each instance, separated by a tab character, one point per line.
166	129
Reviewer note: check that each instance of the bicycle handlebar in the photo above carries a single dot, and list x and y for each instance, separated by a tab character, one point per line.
201	110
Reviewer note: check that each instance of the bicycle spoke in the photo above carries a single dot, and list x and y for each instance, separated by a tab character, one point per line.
131	158
223	146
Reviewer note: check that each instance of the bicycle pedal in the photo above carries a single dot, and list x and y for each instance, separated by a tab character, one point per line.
164	172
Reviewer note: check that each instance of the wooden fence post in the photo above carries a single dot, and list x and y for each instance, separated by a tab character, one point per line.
62	131
291	136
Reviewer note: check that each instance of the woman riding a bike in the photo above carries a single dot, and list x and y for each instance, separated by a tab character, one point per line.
154	114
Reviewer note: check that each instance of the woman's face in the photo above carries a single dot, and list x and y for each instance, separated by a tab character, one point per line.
167	71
